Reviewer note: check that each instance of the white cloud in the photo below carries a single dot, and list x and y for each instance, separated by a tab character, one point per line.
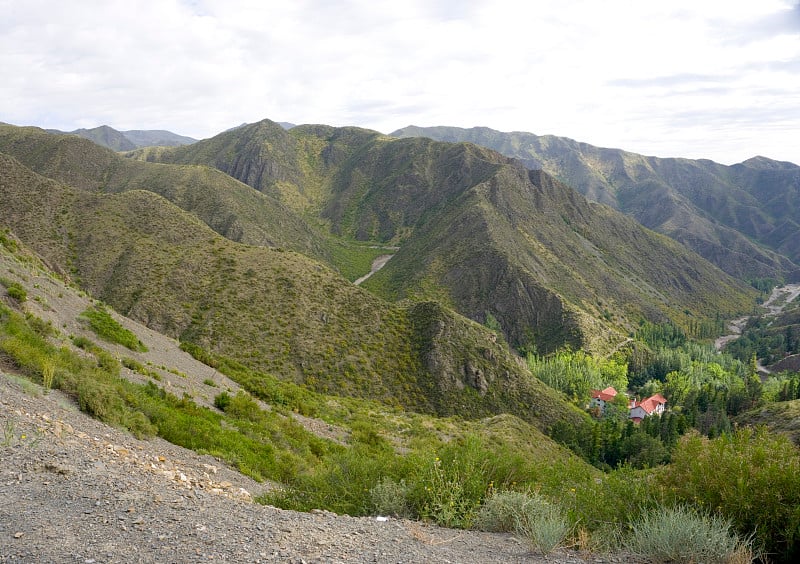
714	79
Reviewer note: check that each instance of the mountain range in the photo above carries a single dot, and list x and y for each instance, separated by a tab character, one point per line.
245	244
273	309
477	231
743	218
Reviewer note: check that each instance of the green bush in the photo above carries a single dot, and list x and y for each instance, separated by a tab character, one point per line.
340	483
500	512
106	327
243	406
749	477
14	289
222	400
678	534
452	483
83	343
132	364
17	292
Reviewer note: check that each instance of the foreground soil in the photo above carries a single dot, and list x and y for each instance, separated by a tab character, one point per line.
75	490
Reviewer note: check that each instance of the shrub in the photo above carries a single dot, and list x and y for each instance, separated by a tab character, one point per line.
243	406
678	534
450	485
499	513
221	400
43	328
48	373
750	477
528	515
106	327
132	364
340	483
14	289
389	498
83	343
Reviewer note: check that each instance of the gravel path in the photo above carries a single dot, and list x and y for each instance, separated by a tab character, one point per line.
75	490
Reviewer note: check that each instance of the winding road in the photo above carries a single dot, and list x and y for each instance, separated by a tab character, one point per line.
777	301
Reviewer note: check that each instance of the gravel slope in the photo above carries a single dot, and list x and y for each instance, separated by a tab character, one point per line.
75	490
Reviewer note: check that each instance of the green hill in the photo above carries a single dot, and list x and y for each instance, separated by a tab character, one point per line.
231	208
276	311
477	232
743	218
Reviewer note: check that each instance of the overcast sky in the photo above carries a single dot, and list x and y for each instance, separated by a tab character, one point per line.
692	78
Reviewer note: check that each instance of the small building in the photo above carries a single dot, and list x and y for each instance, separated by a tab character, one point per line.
654	405
601	397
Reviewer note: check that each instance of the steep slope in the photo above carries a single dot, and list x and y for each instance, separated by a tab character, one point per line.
291	165
55	460
558	271
476	231
276	311
742	218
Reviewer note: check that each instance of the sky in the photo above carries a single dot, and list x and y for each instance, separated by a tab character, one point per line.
716	79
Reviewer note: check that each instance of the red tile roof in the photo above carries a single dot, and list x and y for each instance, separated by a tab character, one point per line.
650	404
606	395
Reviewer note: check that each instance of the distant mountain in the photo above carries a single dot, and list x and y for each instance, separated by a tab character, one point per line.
477	232
156	138
110	138
744	218
104	136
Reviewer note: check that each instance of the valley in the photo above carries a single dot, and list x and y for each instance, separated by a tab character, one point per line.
342	322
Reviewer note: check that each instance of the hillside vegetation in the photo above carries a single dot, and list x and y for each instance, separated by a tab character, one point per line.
477	232
230	208
743	218
365	405
491	474
276	311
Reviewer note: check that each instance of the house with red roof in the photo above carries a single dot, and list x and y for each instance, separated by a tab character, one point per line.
601	397
654	405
